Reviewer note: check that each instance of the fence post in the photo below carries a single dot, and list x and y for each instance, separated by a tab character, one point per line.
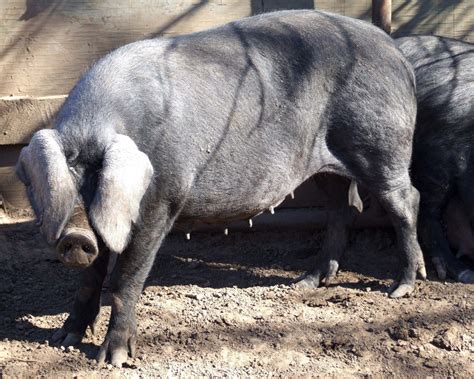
382	14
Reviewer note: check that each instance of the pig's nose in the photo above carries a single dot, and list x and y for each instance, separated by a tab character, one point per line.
77	248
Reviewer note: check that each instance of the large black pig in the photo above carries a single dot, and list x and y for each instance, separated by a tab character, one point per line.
443	156
217	126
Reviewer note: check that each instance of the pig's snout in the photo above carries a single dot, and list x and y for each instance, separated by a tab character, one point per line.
77	248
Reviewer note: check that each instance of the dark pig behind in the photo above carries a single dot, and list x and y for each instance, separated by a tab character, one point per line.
443	158
459	228
217	126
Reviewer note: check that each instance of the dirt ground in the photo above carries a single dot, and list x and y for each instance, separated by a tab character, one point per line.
225	307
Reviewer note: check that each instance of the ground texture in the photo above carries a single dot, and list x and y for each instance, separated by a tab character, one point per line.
225	307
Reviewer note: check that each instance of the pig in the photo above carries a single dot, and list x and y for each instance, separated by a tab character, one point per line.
459	229
217	126
443	165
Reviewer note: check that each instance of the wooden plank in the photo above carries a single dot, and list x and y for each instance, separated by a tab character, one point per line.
358	9
464	21
20	117
12	190
275	5
46	45
450	18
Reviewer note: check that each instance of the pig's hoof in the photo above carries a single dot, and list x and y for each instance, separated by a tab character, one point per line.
69	334
312	279
333	266
467	276
64	338
422	272
307	281
401	290
116	348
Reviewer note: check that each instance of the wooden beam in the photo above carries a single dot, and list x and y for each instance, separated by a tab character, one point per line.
382	14
20	117
45	46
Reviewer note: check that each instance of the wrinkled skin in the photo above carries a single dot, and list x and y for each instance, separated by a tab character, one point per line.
218	126
443	165
77	246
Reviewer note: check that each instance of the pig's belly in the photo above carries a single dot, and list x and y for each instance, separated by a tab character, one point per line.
232	188
223	209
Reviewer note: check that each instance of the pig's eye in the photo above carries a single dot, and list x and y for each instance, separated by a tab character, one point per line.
86	249
72	156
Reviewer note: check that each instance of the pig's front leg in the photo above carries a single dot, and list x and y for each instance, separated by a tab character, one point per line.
86	305
126	285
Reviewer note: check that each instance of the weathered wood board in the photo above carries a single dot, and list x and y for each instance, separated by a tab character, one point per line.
450	18
21	117
12	190
45	45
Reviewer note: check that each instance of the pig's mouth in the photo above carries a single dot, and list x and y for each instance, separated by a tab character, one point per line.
77	248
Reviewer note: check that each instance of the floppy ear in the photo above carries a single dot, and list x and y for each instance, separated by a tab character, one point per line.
42	167
125	176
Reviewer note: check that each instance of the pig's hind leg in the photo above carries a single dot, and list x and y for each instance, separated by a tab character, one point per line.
401	202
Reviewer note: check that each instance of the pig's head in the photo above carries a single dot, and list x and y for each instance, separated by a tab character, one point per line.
55	187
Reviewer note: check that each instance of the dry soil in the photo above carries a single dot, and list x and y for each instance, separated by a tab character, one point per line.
225	307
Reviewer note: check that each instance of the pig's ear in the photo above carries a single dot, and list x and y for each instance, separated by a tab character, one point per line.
43	168
125	176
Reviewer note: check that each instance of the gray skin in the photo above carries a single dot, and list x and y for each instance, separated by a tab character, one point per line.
218	126
443	159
